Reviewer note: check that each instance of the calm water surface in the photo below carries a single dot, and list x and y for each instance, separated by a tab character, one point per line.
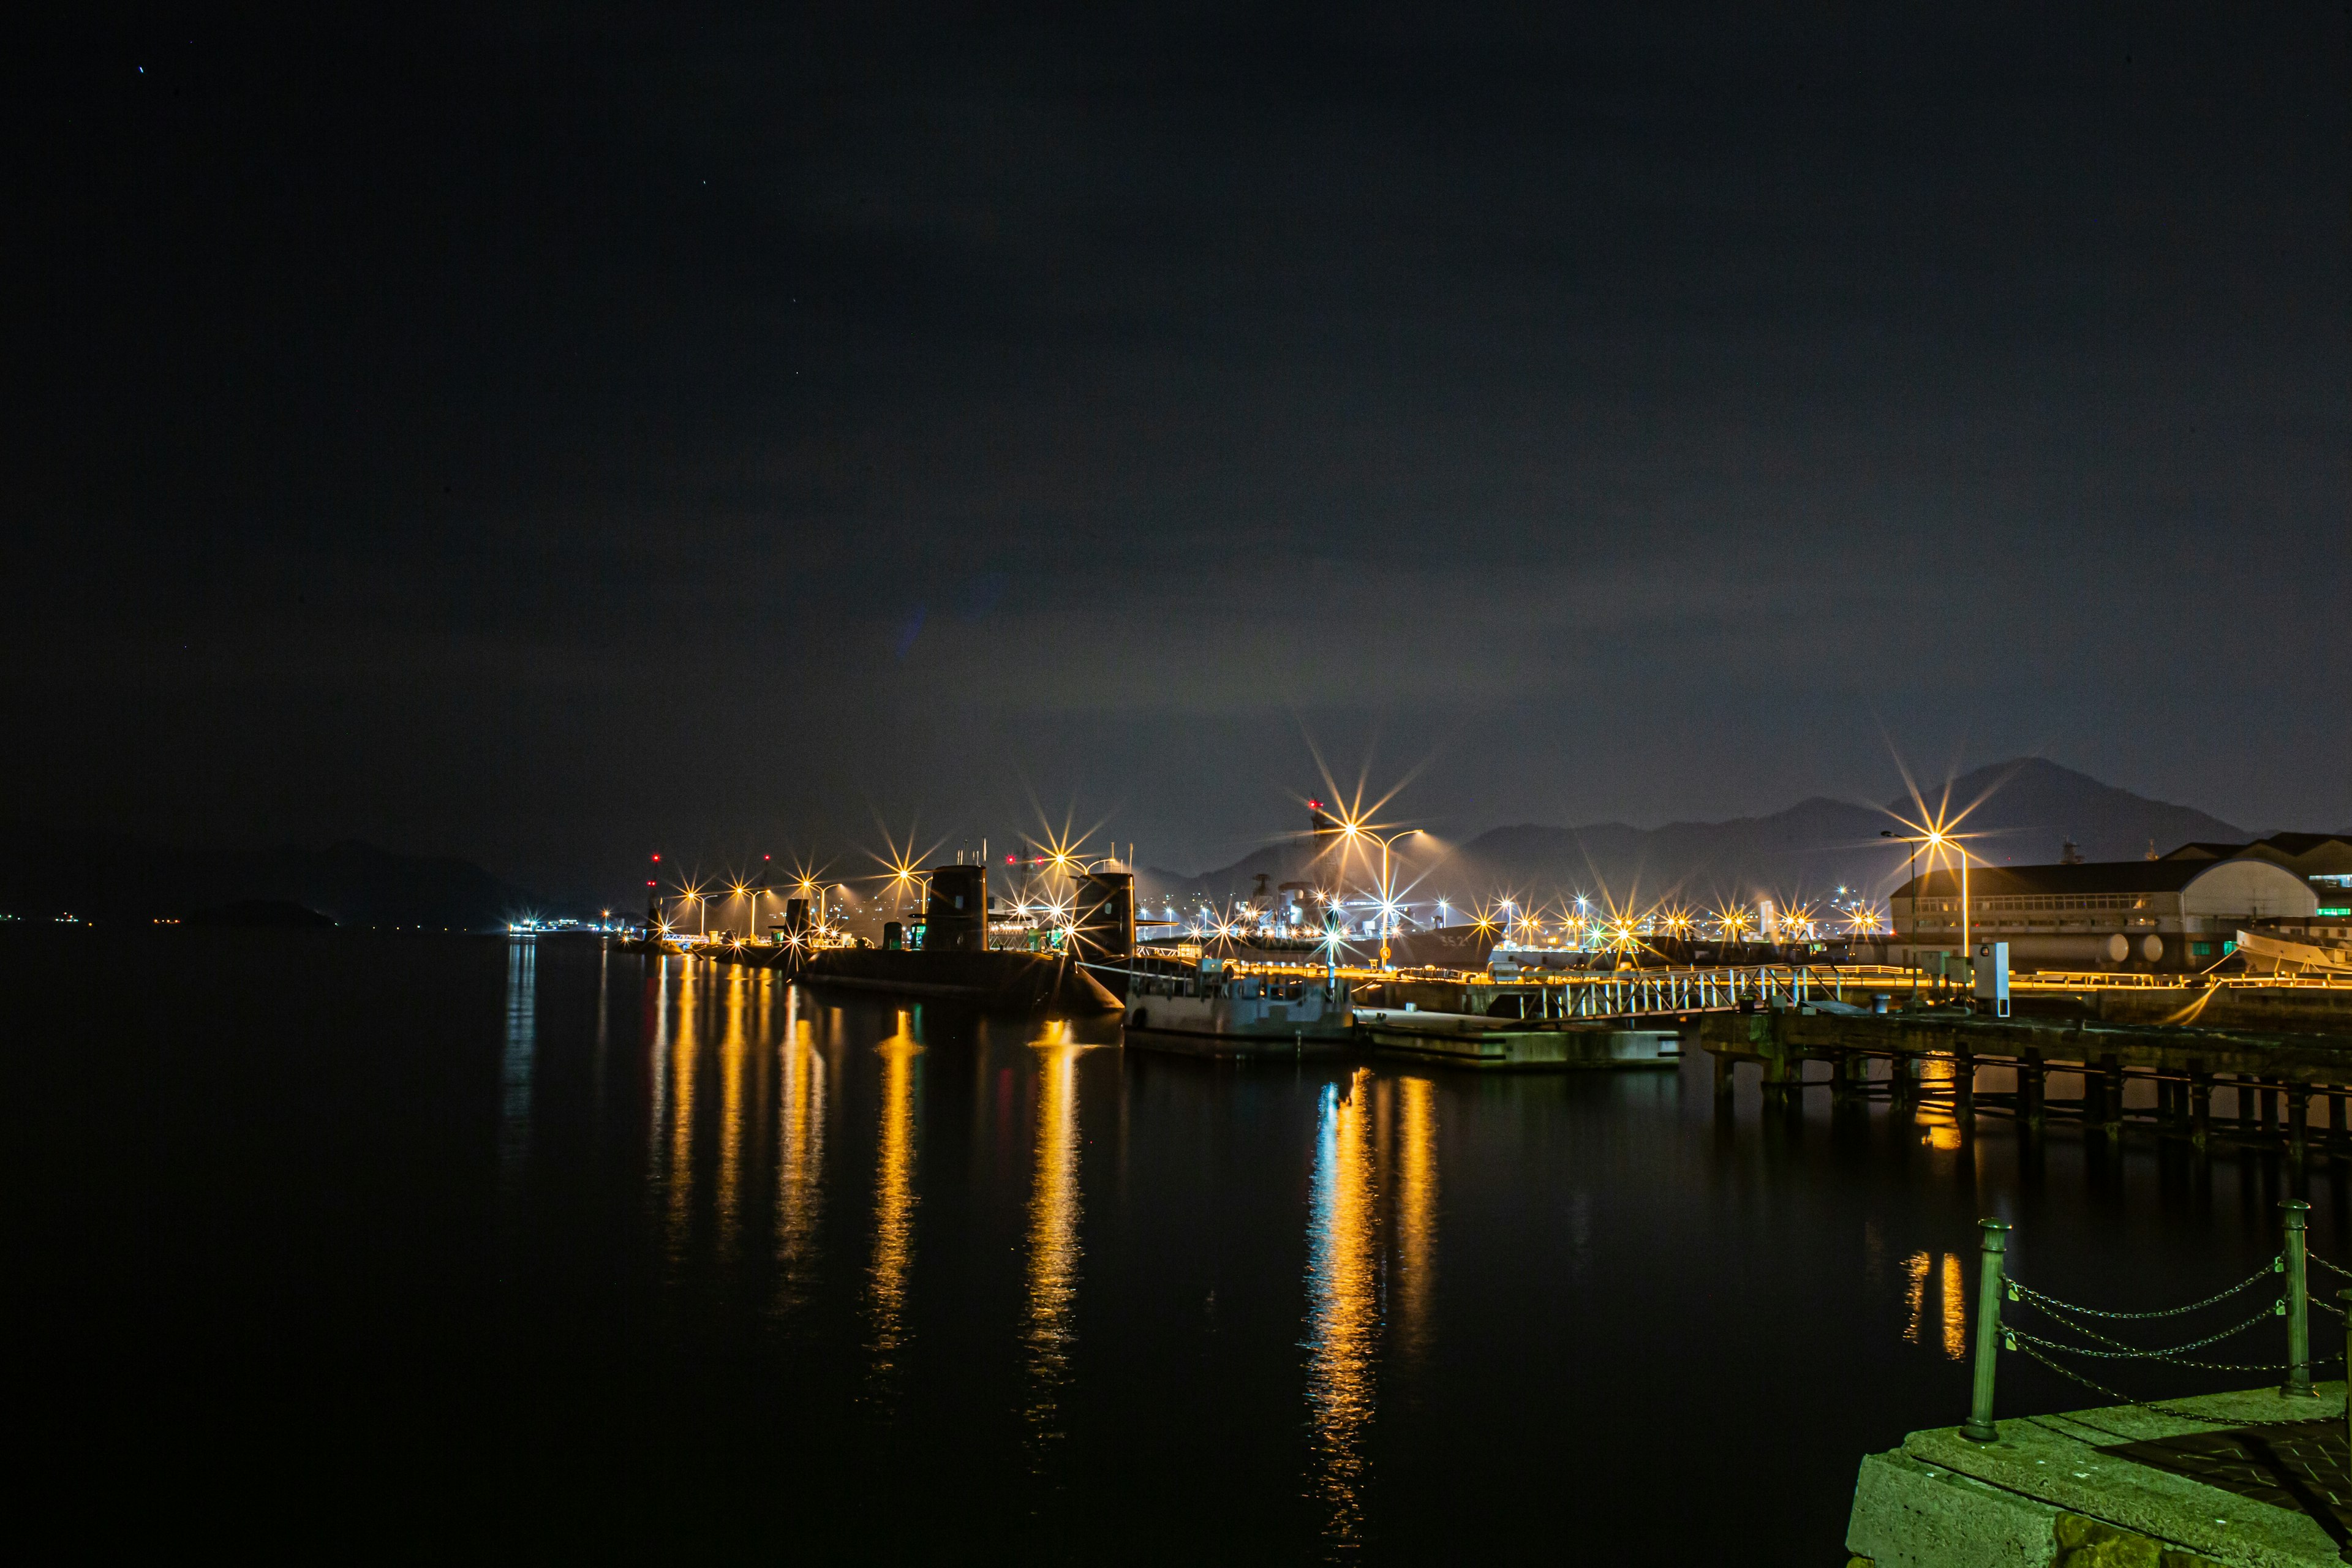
419	1243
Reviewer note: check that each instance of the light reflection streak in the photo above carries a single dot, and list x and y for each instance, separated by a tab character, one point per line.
894	1199
684	1047
1343	1309
732	1049
1053	1212
800	1153
656	1027
603	1026
1956	1309
521	1046
1417	1207
1916	1267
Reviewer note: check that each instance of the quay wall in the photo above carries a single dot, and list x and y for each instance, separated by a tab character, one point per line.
2054	1492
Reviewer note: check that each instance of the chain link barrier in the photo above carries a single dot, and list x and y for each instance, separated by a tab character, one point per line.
2173	1353
2043	1350
2267	1269
2166	1408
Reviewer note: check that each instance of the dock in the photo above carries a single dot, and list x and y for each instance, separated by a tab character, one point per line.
1472	1039
2287	1086
2250	1480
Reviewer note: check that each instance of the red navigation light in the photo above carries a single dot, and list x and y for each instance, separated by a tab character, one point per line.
1311	805
1013	859
656	857
649	884
767	857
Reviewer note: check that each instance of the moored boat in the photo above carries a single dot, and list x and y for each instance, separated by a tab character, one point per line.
1211	1007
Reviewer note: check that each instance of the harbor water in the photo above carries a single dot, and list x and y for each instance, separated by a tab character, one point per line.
334	1243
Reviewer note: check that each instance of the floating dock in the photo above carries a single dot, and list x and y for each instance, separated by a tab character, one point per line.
1471	1039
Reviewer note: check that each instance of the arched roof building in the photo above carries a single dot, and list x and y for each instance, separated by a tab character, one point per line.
2174	915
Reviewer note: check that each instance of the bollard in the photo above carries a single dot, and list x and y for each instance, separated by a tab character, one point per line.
2298	1303
1978	1427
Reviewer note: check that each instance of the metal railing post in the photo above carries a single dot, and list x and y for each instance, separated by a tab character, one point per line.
1978	1427
2298	1303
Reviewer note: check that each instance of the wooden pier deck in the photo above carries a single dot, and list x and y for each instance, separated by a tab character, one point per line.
2279	1085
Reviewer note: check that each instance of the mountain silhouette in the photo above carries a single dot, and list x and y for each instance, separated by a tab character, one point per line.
105	876
2024	813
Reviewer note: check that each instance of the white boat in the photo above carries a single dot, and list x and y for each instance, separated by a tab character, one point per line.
2268	952
1208	1007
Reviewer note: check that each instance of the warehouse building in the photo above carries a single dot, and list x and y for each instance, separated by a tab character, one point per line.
2170	916
2322	859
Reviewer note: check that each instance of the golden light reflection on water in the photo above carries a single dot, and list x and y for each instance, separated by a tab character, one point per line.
1956	1309
799	1152
685	1046
894	1198
1916	1269
1054	1210
1343	1304
1952	1284
733	1049
1416	1208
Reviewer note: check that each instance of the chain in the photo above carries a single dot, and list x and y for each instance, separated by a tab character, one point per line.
2315	1257
2157	1356
2053	1301
2326	1306
2159	1406
2123	1352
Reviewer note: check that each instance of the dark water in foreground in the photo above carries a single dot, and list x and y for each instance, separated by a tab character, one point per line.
416	1244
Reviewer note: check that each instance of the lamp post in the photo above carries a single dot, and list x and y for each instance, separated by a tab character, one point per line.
1936	838
1388	899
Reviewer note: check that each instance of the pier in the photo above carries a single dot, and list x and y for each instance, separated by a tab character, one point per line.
2252	1478
2259	1478
2273	1085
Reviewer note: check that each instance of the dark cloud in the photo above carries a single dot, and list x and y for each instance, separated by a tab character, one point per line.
537	437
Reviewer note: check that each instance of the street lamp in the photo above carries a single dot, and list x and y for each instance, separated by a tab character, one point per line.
1388	896
1941	841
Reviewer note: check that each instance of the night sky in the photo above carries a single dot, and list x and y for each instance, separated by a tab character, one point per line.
549	442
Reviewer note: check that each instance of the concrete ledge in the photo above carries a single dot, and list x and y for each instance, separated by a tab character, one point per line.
2044	1493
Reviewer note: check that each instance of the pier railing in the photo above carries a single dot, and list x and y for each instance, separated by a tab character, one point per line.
2014	1316
1632	993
